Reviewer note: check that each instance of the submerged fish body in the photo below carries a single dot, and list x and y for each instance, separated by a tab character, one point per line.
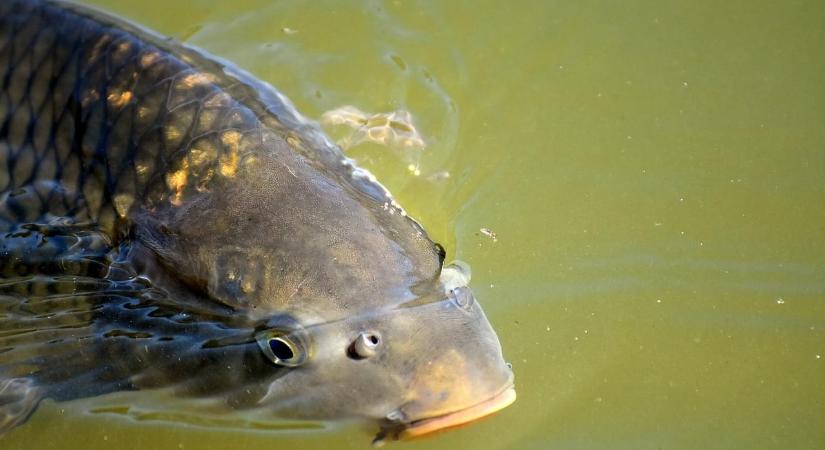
170	222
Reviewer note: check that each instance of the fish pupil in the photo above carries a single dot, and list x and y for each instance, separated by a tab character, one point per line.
280	349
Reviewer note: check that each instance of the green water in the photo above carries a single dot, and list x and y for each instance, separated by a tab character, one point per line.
654	173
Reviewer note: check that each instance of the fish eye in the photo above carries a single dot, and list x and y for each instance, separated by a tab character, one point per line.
462	297
282	350
364	346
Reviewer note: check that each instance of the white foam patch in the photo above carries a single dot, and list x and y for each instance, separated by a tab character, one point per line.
455	275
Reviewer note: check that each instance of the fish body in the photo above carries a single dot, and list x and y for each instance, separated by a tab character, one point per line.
170	222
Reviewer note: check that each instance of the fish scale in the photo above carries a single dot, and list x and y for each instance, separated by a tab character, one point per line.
167	221
136	123
91	113
88	319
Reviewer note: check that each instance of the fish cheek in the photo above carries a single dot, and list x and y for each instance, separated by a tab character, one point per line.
206	260
235	278
245	279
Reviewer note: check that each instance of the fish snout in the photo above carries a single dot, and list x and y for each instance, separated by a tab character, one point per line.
450	392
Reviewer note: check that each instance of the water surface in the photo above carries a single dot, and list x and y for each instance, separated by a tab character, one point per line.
655	177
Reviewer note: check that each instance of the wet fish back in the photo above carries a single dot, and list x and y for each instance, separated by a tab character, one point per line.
94	119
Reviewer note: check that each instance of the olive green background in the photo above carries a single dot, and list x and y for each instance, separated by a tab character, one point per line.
654	173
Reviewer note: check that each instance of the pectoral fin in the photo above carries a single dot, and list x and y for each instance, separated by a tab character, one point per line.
18	400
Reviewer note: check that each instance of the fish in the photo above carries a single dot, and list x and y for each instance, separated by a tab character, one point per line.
170	223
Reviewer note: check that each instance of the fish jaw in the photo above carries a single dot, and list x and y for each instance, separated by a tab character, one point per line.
427	426
461	417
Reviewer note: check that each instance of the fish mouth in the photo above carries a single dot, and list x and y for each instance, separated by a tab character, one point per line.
463	416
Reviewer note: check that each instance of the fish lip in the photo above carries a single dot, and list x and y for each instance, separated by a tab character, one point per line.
496	403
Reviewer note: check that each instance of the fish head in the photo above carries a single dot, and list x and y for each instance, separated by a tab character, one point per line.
379	329
427	365
283	236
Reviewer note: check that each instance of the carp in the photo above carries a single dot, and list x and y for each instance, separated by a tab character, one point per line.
169	222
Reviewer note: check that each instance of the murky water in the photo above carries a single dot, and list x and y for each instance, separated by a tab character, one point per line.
654	175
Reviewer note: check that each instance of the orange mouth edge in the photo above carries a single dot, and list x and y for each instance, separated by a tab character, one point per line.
461	417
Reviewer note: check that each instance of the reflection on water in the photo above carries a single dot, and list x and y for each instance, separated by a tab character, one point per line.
652	172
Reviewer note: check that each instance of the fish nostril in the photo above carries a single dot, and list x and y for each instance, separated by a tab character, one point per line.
364	346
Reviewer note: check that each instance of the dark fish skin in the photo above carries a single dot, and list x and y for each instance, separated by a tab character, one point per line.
90	114
101	122
107	124
93	112
164	216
